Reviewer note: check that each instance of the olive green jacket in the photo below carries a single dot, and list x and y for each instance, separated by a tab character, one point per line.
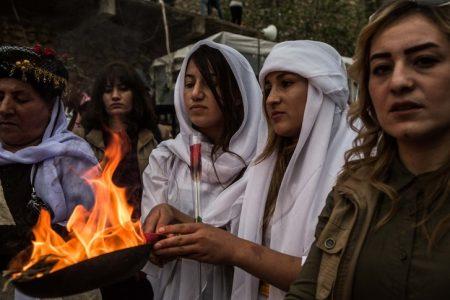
343	224
146	143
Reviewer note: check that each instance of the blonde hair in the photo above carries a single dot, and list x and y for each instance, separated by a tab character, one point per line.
373	148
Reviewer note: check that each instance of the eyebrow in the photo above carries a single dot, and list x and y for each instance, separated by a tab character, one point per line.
406	51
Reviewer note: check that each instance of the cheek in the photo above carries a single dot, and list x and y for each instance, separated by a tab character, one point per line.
33	123
129	99
377	97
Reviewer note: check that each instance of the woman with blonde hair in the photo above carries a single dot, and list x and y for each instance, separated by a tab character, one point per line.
384	231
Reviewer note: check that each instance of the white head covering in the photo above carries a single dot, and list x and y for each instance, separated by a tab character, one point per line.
220	206
314	165
56	141
242	143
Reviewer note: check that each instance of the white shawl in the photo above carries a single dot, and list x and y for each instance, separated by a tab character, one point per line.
314	165
167	180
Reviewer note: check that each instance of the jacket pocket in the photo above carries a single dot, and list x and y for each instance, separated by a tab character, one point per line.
333	238
332	242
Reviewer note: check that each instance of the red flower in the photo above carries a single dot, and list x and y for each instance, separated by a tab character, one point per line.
49	52
37	48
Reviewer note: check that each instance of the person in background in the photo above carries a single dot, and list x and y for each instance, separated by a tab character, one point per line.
236	7
218	98
41	162
384	232
215	4
120	104
301	146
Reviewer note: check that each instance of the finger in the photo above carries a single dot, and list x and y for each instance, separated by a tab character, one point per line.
185	250
175	241
184	228
165	218
150	221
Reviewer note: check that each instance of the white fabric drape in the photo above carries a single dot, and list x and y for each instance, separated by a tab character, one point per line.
59	147
167	180
314	165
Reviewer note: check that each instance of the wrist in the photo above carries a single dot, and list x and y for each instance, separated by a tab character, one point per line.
239	252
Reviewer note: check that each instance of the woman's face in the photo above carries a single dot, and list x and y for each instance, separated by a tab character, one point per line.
285	95
118	99
24	115
409	80
201	104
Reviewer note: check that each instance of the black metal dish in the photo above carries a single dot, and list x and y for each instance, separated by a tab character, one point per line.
87	275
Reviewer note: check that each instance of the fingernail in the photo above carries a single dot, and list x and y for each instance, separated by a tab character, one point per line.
161	230
157	246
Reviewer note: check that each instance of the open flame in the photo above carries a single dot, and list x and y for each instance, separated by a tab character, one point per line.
107	227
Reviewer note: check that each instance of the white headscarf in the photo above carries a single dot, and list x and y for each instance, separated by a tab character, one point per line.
314	165
243	142
57	141
220	206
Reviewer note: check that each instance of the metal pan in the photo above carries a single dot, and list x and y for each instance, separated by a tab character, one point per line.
87	275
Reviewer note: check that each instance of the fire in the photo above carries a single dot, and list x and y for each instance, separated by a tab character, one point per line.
107	227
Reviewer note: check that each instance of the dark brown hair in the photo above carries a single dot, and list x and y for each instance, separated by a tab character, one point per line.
142	114
211	61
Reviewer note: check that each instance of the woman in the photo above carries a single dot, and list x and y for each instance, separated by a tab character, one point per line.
302	144
41	163
384	231
216	96
120	103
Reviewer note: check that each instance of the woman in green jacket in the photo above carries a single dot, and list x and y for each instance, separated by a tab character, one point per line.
384	231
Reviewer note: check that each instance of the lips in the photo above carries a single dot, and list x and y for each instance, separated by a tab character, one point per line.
117	105
405	106
197	107
275	115
7	123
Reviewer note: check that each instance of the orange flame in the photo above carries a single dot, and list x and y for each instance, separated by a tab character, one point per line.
105	228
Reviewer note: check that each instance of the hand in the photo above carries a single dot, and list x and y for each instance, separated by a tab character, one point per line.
160	215
197	241
164	214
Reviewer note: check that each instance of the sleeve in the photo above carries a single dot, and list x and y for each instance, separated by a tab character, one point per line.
305	285
77	191
155	180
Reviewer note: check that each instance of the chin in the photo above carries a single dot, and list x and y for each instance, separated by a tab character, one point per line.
419	134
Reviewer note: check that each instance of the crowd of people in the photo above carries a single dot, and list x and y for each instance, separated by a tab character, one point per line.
305	194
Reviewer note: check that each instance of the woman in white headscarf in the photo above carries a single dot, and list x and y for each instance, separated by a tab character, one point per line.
218	97
301	147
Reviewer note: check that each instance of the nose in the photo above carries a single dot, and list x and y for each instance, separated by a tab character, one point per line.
6	105
402	79
115	94
198	91
273	97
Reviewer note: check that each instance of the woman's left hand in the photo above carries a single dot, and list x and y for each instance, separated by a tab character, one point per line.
197	241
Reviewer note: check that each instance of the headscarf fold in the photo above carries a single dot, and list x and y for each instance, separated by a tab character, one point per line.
314	165
57	141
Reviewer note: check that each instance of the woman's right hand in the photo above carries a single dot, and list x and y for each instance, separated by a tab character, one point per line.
164	214
160	215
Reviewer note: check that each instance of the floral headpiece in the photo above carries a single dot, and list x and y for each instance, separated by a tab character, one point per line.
37	66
